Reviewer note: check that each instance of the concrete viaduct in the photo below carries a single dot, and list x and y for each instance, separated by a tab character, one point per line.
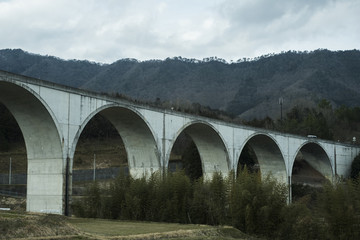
52	117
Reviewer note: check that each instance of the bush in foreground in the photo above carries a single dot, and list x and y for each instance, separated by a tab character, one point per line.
244	201
253	205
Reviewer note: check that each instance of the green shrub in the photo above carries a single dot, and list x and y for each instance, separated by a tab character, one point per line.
300	223
198	212
355	167
339	204
256	205
89	206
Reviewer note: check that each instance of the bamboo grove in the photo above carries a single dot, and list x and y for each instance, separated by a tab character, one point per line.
256	206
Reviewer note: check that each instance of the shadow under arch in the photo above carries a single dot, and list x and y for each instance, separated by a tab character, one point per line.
210	146
311	165
268	155
44	148
139	142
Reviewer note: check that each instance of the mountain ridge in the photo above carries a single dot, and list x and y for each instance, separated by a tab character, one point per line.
246	88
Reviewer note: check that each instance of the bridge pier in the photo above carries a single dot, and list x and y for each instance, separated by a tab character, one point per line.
45	186
44	149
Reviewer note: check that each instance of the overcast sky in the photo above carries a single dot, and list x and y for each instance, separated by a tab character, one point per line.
108	30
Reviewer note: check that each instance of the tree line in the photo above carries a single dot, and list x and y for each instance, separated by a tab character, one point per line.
324	121
253	205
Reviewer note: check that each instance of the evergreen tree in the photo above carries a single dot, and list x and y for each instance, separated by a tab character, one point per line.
355	168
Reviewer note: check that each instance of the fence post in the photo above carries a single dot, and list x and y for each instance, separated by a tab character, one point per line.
10	172
94	167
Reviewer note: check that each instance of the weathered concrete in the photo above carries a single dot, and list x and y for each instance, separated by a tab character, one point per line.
43	145
52	118
269	156
143	154
211	148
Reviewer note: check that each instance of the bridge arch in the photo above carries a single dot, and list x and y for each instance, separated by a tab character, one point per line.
210	145
311	155
44	147
138	138
268	155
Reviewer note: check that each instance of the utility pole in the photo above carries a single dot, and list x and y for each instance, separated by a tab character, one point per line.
94	167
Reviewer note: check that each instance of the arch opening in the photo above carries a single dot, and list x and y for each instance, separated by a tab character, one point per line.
140	148
249	160
44	153
311	169
263	155
13	161
100	155
185	156
209	147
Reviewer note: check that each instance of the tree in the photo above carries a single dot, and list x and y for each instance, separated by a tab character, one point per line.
255	205
355	168
192	162
339	204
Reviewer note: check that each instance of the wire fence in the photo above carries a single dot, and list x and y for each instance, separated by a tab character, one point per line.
18	181
17	178
77	175
84	175
13	190
14	193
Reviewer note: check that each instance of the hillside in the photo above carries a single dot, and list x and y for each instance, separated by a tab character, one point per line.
247	88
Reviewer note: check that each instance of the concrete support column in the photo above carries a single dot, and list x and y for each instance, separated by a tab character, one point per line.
45	188
45	182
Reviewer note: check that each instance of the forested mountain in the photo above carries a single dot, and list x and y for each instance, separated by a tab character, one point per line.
72	73
248	88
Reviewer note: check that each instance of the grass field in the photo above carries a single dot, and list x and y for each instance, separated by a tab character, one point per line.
125	228
20	225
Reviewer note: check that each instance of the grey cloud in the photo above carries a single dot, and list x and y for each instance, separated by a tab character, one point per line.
108	30
262	13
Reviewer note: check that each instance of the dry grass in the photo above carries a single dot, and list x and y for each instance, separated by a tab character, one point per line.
17	204
127	228
112	229
18	225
